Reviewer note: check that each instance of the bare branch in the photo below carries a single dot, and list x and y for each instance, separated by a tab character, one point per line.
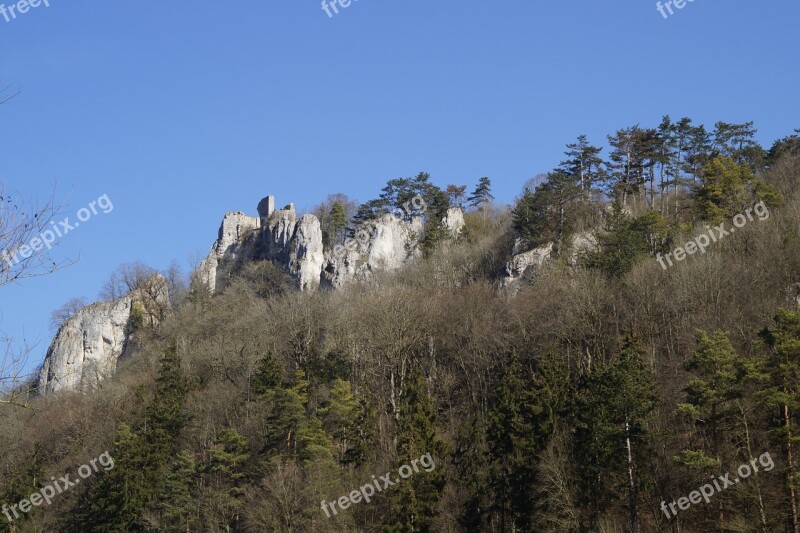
28	233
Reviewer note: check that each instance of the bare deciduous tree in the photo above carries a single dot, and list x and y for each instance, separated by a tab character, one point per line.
66	311
15	386
127	278
25	227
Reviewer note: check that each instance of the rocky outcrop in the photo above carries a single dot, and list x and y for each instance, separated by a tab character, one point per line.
385	244
454	221
279	236
530	260
296	245
233	233
88	345
521	262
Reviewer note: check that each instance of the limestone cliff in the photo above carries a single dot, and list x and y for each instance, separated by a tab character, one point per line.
295	244
88	345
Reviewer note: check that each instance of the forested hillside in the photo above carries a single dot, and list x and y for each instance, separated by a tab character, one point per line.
606	392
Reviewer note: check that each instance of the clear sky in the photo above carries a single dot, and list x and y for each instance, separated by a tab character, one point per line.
181	111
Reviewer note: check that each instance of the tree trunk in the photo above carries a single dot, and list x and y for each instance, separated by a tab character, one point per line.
631	481
758	482
790	462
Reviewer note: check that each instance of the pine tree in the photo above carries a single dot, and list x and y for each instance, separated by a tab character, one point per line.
547	215
481	197
521	421
471	459
340	416
226	476
613	405
413	502
334	227
782	394
583	164
268	376
456	194
177	501
117	501
510	435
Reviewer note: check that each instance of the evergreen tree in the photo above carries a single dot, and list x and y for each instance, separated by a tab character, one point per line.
224	491
714	407
521	421
268	375
737	142
335	225
583	164
782	394
177	502
413	502
340	416
547	215
728	188
117	501
481	197
613	405
471	460
626	239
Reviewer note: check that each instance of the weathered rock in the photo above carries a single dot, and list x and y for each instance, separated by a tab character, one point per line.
278	236
454	221
384	244
521	262
305	253
88	345
215	269
296	245
582	245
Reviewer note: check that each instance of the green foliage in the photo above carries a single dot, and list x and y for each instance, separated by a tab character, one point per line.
136	320
413	504
613	405
333	230
546	215
728	188
177	501
268	375
118	500
481	197
521	421
626	239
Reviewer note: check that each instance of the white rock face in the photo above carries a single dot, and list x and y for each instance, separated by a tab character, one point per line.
385	244
454	221
232	233
276	236
521	262
88	345
582	244
305	256
296	245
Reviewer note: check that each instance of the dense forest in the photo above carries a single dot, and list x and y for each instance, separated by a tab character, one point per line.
606	392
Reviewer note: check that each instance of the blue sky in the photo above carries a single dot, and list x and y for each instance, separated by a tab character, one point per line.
181	111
